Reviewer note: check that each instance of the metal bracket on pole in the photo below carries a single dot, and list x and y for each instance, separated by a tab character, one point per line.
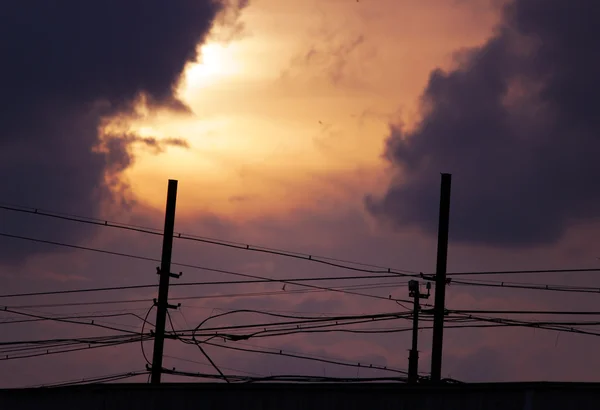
169	306
173	275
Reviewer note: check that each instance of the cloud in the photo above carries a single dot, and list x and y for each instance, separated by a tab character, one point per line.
231	26
339	54
482	365
156	145
516	125
67	67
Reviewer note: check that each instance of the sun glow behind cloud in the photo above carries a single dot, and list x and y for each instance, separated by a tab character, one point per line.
238	148
267	137
218	62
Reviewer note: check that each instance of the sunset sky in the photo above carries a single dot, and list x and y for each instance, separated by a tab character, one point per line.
319	127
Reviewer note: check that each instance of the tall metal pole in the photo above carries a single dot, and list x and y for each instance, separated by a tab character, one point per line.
413	358
163	288
440	279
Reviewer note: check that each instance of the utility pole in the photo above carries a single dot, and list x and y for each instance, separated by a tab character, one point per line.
440	280
414	291
163	288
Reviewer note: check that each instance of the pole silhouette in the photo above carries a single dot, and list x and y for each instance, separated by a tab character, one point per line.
414	291
440	279
162	304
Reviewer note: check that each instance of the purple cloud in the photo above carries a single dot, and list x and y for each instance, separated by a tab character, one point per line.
66	67
515	124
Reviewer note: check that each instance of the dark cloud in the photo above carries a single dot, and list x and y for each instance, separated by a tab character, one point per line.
68	65
515	124
157	145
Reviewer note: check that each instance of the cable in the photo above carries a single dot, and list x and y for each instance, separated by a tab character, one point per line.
99	316
314	329
296	356
511	272
73	304
206	364
241	282
287	378
88	347
526	312
142	333
536	325
259	279
180	335
299	325
212	363
306	257
80	340
93	380
362	365
65	345
302	327
554	288
313	258
6	309
84	248
234	295
302	319
213	241
199	267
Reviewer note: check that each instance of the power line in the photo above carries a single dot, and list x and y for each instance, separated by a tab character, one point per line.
84	248
554	326
512	272
93	380
285	378
36	348
213	241
48	352
552	288
324	328
282	353
219	296
180	336
82	340
301	327
6	309
129	287
318	356
281	252
301	319
239	295
526	312
62	318
511	285
121	254
209	365
73	304
259	279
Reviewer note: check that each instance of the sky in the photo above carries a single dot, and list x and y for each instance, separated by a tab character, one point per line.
315	127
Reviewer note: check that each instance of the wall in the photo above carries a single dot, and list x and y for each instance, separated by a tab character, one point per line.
515	396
